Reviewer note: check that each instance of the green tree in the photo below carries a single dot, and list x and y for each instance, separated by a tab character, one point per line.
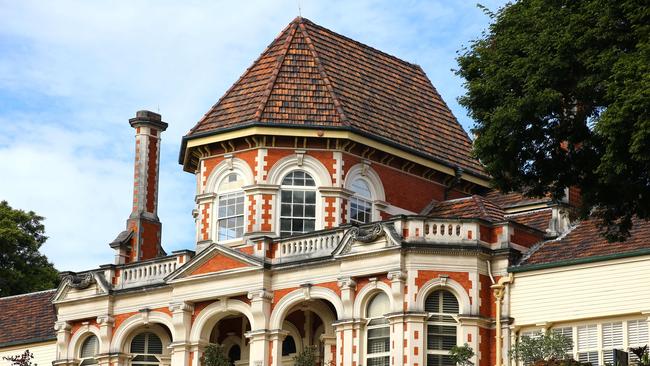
547	347
461	355
22	268
214	355
306	358
560	94
23	359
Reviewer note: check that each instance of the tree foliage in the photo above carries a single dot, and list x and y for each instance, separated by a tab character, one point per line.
214	355
461	355
560	94
22	268
547	347
23	359
306	358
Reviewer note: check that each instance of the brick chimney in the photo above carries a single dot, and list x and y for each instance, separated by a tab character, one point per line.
141	239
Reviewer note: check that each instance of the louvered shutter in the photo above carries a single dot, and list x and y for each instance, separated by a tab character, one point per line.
612	335
138	343
587	337
449	303
637	332
154	345
89	348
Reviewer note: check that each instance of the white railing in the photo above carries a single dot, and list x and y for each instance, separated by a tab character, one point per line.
443	231
146	273
319	244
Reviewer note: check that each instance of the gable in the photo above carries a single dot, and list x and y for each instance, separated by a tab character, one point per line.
218	263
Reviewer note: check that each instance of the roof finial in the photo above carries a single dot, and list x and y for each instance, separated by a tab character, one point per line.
299	10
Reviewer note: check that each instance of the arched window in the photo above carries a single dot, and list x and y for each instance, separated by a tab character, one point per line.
288	346
88	350
361	202
146	349
230	217
297	203
442	328
378	331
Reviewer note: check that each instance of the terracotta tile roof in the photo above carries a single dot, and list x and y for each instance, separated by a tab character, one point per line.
468	207
584	241
537	219
311	76
27	318
513	199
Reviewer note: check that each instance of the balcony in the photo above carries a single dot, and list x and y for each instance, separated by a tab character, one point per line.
145	273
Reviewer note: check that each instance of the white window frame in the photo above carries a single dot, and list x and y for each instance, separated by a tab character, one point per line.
158	356
235	192
358	199
439	323
294	188
384	324
92	359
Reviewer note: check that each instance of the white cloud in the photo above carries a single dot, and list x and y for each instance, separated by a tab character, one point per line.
73	72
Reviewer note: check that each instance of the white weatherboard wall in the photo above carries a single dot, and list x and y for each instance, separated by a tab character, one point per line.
596	290
44	352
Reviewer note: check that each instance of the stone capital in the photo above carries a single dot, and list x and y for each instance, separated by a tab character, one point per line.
105	320
397	275
347	283
261	294
180	307
62	326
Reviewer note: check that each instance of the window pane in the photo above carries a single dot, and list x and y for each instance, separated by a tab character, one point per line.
309	225
439	360
310	197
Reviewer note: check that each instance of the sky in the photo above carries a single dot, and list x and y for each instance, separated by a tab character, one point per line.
73	72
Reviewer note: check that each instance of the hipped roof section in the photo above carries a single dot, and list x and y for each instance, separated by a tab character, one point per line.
312	77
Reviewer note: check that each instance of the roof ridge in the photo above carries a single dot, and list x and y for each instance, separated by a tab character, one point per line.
522	213
539	245
27	294
480	205
304	20
239	79
321	70
274	76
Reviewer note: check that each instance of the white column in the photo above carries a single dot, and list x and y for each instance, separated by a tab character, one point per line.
277	336
258	336
329	349
105	323
181	320
259	348
62	339
396	318
344	341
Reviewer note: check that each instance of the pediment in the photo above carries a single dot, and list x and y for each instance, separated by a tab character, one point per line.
366	239
217	259
76	286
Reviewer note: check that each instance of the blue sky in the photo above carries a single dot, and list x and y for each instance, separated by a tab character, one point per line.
73	72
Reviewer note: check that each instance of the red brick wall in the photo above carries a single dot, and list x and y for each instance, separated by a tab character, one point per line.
461	277
525	238
218	263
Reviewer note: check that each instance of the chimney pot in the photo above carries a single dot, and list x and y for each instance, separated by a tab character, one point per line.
148	118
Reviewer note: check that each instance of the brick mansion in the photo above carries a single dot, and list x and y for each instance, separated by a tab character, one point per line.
338	205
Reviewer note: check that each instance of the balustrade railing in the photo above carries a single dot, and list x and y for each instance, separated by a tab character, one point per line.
309	246
139	274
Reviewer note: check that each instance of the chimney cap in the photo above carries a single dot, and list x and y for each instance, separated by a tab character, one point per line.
148	118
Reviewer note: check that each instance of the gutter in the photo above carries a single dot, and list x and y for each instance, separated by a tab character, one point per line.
572	262
186	138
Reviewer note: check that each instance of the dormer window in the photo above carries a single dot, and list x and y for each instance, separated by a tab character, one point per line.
297	203
230	216
360	202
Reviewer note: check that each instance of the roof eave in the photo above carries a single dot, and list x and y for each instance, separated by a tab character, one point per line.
383	140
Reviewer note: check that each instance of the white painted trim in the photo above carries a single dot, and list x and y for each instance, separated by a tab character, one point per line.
80	336
366	294
127	328
210	316
309	164
449	285
297	296
223	168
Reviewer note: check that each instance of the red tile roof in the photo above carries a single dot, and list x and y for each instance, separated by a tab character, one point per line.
27	318
468	207
538	219
584	242
311	76
513	199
